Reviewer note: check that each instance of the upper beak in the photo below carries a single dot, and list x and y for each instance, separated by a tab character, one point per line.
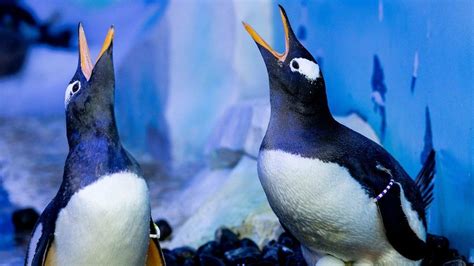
84	53
265	45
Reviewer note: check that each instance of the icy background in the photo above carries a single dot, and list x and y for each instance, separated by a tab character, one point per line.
192	97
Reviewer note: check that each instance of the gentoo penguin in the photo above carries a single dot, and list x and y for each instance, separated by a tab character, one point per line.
344	197
101	214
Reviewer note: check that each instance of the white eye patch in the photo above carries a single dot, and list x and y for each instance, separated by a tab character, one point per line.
71	89
305	67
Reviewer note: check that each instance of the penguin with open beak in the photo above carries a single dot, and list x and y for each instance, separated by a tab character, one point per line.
344	197
101	214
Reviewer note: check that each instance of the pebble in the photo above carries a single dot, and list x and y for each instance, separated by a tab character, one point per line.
247	242
243	255
206	260
183	254
165	229
24	220
227	239
228	249
211	248
169	257
439	252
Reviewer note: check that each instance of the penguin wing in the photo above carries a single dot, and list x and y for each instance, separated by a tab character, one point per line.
401	206
41	250
397	225
155	255
400	216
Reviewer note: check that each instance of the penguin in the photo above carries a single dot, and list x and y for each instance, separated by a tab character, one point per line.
101	214
344	197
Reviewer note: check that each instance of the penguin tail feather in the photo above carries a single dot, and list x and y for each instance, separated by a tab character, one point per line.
424	179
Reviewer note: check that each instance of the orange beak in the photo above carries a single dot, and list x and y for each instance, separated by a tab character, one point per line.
264	44
84	53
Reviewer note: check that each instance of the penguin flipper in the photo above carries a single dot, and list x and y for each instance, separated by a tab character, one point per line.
399	215
41	249
44	251
155	255
397	227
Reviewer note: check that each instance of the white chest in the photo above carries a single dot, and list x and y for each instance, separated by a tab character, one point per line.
106	223
321	203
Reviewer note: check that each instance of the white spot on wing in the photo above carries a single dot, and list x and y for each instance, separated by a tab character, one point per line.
34	242
413	219
307	68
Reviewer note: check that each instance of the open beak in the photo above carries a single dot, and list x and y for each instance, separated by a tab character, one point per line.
262	43
84	53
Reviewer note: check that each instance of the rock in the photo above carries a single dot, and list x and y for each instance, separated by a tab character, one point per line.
189	262
227	239
24	220
295	260
240	131
262	226
263	263
211	248
165	229
253	218
435	242
455	262
226	144
271	255
288	240
277	253
284	253
169	257
269	245
207	260
243	255
183	254
438	247
13	51
358	124
247	242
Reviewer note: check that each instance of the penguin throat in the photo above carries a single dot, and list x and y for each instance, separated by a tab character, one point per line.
283	101
103	131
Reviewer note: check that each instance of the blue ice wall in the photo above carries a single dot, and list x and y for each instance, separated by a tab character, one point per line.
347	35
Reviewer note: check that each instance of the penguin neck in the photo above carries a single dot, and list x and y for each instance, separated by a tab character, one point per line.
91	130
296	124
95	151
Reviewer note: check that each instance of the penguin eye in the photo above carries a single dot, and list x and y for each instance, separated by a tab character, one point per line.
307	68
75	88
295	64
72	89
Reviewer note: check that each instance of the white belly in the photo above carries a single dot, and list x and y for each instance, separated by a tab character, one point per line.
106	223
323	206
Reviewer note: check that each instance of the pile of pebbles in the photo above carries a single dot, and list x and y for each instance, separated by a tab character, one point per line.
228	249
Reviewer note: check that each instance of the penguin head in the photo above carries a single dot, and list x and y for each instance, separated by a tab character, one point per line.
89	96
294	75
